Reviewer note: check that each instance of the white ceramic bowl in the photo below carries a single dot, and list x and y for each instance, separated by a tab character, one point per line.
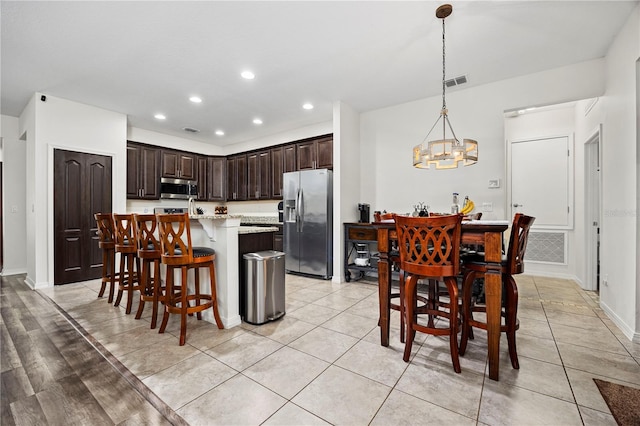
361	261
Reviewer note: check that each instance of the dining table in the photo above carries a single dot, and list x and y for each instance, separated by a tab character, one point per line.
486	233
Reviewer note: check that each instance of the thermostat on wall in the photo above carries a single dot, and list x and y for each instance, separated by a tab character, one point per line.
494	183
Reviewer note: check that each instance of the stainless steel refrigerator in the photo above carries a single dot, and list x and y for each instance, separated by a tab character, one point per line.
308	222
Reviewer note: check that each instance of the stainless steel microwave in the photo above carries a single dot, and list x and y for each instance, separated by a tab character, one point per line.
178	188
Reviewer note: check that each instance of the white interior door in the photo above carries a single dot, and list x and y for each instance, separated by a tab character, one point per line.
592	212
540	181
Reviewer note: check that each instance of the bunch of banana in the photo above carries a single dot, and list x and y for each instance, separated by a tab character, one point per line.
468	206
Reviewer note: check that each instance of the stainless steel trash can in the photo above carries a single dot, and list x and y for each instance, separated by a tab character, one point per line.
264	298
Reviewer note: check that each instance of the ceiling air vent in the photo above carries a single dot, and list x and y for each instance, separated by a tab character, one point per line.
190	130
456	81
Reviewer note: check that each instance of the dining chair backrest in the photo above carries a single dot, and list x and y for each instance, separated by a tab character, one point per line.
145	226
175	238
124	233
429	246
105	230
518	243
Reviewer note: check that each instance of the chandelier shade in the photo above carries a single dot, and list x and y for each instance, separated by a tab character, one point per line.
447	152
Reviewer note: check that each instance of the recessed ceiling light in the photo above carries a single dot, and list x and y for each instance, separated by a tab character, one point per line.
257	121
160	117
307	106
219	133
195	99
248	75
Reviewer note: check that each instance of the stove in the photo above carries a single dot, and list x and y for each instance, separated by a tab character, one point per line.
169	210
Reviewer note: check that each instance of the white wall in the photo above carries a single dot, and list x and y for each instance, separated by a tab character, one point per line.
62	124
160	139
392	184
14	218
36	256
346	178
619	232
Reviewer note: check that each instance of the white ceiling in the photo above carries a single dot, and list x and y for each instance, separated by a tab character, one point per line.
141	58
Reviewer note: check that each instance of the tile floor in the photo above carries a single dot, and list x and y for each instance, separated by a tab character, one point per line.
323	363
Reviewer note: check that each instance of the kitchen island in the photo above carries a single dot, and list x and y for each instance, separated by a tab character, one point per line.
221	233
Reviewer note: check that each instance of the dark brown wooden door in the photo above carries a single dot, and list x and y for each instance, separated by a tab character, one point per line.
277	169
290	163
149	172
264	174
202	178
253	176
324	153
306	155
188	166
82	187
217	181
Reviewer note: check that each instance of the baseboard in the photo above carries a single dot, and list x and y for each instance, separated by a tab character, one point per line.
626	330
554	275
28	281
7	272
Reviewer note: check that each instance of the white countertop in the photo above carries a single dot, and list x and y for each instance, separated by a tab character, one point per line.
256	229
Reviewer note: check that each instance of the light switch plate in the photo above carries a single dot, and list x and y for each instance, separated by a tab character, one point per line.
494	183
487	207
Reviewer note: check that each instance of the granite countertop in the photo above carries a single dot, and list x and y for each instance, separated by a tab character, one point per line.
262	220
256	229
215	216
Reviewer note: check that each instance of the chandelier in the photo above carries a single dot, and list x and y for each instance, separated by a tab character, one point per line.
445	153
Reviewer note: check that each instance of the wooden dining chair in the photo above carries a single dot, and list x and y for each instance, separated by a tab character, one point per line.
107	243
177	253
129	263
474	267
429	248
149	253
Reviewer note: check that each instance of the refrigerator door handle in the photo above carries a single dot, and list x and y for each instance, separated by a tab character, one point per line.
298	211
301	210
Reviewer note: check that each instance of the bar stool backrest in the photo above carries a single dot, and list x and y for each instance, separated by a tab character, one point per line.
145	231
105	230
175	239
429	246
518	243
125	235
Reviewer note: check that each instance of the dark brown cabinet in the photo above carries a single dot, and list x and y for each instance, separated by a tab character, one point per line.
283	160
177	164
216	182
278	239
237	177
315	153
203	179
259	175
143	172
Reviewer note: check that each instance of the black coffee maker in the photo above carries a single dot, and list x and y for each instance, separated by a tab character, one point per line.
364	213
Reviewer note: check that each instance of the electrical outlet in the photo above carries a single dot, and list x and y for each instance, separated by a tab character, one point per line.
14	209
487	207
605	280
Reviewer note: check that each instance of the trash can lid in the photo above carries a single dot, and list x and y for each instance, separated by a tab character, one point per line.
262	255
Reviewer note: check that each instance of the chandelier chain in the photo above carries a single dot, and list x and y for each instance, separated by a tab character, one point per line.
444	102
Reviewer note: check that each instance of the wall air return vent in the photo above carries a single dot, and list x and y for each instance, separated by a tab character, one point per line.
457	81
190	130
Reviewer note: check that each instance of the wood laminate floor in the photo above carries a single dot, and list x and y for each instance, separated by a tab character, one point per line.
52	375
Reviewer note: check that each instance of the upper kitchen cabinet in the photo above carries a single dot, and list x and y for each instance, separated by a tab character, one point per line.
143	171
237	177
216	178
315	153
177	164
259	175
283	160
203	181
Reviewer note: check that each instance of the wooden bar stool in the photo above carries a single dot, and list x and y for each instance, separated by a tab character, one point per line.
129	264
474	266
108	245
178	253
149	254
430	249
